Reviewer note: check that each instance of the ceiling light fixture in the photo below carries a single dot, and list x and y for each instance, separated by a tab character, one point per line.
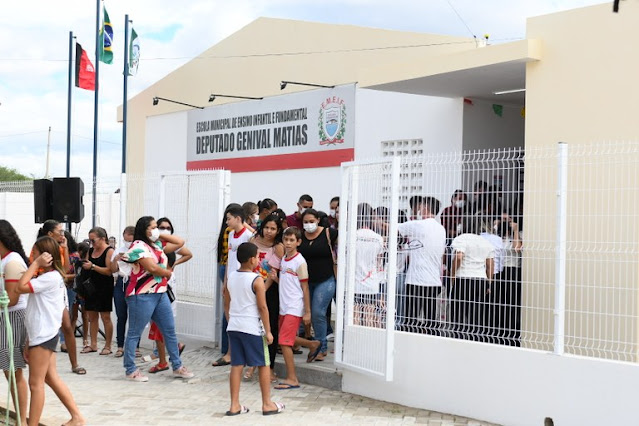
508	92
283	84
157	99
213	96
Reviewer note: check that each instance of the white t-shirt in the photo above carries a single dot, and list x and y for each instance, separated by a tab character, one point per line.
243	313
45	307
426	245
476	250
13	267
234	242
498	245
293	271
512	257
124	269
369	245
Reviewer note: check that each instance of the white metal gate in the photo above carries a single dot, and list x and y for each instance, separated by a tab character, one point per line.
366	323
195	202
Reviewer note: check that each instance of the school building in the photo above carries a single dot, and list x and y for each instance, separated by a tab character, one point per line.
443	94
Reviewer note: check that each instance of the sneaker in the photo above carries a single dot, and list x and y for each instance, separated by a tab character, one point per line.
137	376
330	337
183	372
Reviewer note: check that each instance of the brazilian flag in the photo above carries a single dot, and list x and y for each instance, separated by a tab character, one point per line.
106	39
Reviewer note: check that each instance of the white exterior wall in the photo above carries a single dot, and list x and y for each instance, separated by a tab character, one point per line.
166	143
383	116
379	116
483	129
509	386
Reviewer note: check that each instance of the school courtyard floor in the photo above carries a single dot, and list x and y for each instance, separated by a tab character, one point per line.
106	398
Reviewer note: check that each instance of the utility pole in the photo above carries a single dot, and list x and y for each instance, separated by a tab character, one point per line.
46	173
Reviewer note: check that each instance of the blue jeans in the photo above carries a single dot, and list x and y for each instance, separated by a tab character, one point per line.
224	345
120	311
321	296
400	300
142	309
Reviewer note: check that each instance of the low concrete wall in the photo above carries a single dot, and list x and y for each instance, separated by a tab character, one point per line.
505	385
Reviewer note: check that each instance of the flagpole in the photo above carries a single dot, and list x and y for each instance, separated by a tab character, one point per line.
123	188
69	94
95	111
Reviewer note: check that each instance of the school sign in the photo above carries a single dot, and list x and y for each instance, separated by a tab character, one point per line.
300	130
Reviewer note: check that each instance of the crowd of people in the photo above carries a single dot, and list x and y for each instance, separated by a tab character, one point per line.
457	274
458	269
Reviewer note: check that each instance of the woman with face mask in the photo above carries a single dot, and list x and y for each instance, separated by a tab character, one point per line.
252	214
146	294
166	228
121	277
317	248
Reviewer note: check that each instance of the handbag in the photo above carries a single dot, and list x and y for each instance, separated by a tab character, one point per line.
330	247
84	286
169	292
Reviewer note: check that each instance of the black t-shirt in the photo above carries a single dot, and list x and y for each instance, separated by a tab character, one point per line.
319	256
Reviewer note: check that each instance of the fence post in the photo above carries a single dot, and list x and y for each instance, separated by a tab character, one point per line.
560	259
391	289
341	261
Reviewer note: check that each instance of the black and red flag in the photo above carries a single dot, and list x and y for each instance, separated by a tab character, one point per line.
84	69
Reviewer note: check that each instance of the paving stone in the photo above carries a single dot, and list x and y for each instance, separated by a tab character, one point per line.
105	397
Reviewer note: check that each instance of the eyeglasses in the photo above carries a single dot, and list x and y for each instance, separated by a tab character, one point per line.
164	228
92	241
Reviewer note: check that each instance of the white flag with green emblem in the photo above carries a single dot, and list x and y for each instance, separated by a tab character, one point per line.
134	53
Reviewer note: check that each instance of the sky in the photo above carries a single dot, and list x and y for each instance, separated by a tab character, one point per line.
34	58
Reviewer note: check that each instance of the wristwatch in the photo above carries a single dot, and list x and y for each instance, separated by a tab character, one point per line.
92	266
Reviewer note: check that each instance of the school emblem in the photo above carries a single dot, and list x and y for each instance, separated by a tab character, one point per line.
332	121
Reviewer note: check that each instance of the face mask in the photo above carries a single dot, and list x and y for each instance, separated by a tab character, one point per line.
127	244
332	213
310	227
256	218
419	216
302	210
155	234
165	232
460	204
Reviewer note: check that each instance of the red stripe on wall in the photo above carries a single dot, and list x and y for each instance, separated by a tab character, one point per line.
303	160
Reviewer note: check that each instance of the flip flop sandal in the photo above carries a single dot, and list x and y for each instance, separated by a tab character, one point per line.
313	355
243	410
159	367
278	410
286	386
220	362
181	347
119	353
79	370
105	351
88	350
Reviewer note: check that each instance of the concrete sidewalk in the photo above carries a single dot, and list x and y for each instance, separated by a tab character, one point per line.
105	397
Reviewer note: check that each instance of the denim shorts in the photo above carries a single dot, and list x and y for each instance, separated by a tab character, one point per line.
248	349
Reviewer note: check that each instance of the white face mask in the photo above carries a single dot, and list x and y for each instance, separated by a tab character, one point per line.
460	204
155	234
127	244
332	212
418	216
302	210
310	227
256	218
165	232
